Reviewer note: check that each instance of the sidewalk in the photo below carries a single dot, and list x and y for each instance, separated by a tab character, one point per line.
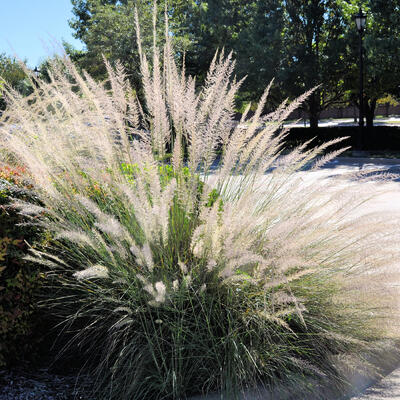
387	389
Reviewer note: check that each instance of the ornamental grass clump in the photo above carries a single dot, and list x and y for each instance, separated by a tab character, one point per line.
219	271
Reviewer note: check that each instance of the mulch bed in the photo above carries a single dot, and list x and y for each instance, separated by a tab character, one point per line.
24	384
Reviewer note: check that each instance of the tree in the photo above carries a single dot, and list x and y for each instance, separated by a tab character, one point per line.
259	50
313	53
382	53
107	28
303	43
12	73
251	29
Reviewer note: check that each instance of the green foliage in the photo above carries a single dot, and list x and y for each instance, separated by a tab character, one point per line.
382	55
313	48
388	99
303	44
204	335
198	29
12	73
107	28
251	29
166	172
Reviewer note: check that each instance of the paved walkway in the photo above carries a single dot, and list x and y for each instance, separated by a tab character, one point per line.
388	200
387	389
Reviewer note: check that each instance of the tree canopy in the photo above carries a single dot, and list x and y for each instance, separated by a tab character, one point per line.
302	43
382	53
12	72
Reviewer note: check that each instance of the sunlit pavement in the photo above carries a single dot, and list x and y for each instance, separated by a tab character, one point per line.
387	193
389	387
386	389
389	201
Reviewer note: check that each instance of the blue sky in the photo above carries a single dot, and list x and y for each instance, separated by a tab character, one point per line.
34	29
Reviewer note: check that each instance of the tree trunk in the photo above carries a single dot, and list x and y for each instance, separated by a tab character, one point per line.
313	110
370	106
314	120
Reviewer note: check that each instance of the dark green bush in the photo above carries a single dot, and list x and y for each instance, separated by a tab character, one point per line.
19	280
377	138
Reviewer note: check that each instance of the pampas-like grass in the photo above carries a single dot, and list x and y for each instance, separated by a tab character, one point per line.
219	271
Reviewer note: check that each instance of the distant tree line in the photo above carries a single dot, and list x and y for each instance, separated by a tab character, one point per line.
301	43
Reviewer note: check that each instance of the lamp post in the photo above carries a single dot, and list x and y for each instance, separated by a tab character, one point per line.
361	20
37	72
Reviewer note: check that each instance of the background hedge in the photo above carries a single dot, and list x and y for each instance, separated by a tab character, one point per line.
378	138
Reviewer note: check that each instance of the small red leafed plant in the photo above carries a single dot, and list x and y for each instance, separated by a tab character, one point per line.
13	174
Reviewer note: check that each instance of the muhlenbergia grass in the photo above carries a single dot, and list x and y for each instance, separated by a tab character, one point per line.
220	270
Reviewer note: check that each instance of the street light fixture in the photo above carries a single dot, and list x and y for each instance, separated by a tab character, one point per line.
361	22
37	72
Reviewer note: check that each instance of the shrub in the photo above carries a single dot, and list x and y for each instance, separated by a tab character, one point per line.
207	273
19	281
377	138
